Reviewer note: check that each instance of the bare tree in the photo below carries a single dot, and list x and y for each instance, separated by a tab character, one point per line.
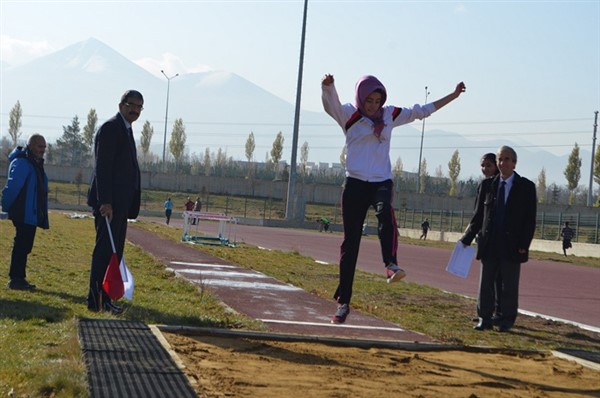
146	139
573	172
90	129
304	158
541	186
14	123
343	157
454	172
250	147
207	162
277	151
177	141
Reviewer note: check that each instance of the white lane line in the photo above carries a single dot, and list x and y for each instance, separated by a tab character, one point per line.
321	262
228	274
203	265
246	285
548	317
555	319
333	325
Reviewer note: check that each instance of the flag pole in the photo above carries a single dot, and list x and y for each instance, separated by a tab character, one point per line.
112	242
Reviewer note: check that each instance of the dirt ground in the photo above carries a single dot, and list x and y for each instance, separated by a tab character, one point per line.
242	367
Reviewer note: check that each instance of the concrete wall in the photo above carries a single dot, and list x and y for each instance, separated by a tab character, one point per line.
308	193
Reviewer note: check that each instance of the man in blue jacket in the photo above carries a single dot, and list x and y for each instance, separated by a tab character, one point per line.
25	199
114	193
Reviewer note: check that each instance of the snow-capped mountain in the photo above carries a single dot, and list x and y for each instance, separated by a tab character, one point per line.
219	110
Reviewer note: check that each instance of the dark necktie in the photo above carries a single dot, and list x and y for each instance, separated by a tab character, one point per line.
133	155
132	143
501	204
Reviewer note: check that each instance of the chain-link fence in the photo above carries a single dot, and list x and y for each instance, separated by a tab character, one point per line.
549	225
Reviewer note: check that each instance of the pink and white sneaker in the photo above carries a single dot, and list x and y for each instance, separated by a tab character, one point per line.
340	315
394	273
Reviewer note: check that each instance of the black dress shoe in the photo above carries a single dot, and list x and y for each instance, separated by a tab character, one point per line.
497	319
504	328
20	284
108	307
483	325
112	308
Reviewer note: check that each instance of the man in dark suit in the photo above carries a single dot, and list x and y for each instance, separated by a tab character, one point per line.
505	218
114	192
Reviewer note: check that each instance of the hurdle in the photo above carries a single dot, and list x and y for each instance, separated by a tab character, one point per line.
226	234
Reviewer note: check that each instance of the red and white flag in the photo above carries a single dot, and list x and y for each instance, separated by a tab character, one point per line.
118	280
127	278
113	283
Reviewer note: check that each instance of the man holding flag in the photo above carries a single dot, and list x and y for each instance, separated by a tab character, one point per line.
114	196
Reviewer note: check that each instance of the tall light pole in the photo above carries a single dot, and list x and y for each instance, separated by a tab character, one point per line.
591	188
166	115
421	149
290	209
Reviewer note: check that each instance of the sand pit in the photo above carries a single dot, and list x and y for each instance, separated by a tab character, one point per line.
226	366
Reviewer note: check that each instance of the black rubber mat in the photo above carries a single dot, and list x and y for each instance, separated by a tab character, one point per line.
125	359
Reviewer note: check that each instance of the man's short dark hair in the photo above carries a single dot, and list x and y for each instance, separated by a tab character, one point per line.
131	94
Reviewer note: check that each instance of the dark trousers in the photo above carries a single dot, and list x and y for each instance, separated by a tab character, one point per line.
102	254
357	197
168	214
509	273
22	245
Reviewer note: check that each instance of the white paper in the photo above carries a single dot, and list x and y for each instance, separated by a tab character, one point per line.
460	260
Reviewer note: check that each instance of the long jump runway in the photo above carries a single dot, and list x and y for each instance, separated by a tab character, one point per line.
282	307
559	291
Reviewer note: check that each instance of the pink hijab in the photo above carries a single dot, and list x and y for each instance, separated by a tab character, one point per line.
364	87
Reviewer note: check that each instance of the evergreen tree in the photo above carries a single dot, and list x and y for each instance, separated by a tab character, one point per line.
14	123
70	148
207	165
177	141
554	194
146	139
453	172
424	177
49	154
541	186
573	172
6	147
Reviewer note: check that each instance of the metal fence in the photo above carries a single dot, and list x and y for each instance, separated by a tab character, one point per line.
549	225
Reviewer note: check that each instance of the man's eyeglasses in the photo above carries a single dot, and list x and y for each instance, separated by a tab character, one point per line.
134	106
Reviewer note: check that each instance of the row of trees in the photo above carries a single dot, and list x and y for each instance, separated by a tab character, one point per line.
75	148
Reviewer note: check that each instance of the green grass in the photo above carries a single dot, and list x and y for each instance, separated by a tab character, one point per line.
38	330
441	315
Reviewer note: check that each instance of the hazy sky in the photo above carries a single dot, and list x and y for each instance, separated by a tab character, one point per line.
532	69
